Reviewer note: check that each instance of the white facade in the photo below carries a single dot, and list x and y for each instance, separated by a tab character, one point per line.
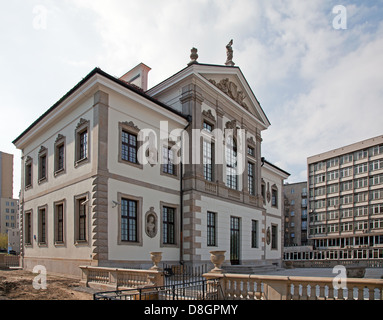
86	201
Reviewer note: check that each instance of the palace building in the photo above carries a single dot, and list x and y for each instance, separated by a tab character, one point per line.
114	171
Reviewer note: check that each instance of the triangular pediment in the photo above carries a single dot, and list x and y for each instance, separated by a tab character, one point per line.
235	87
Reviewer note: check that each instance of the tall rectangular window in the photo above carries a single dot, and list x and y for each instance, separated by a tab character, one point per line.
59	221
59	166
168	230
83	145
231	164
250	178
254	234
42	165
60	153
274	197
208	160
129	220
42	226
129	147
81	219
168	160
274	237
28	174
28	228
82	142
211	229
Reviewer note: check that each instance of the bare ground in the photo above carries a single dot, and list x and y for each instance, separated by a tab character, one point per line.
18	285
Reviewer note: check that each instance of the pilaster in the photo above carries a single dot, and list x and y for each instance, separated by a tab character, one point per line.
99	192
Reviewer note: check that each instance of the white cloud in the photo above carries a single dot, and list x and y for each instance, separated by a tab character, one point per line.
342	106
320	87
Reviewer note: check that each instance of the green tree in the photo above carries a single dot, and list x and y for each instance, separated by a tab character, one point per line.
3	241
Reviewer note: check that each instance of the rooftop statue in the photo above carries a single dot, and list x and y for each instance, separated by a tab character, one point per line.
229	52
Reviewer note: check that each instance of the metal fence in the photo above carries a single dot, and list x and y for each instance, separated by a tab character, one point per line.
194	290
9	261
175	274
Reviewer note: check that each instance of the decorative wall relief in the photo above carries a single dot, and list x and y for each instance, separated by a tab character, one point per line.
151	223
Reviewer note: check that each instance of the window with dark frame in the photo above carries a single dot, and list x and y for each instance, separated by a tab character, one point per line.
43	167
168	161
28	228
231	164
59	223
208	160
28	174
250	151
254	234
129	220
42	222
60	160
81	219
168	225
129	147
83	145
250	178
211	229
274	236
274	197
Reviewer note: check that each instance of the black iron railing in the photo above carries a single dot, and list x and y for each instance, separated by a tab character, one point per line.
183	273
195	290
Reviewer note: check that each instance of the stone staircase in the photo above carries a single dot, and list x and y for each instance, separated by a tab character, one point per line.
251	269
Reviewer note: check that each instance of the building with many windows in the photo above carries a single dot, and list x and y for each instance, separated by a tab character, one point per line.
296	217
114	171
346	201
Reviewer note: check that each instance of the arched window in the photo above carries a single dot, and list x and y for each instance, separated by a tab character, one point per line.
231	163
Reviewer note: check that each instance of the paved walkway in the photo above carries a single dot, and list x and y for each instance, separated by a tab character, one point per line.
372	273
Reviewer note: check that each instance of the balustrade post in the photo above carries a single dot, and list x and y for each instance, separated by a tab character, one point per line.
113	278
277	289
84	276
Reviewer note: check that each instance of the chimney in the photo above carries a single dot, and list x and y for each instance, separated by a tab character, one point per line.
138	76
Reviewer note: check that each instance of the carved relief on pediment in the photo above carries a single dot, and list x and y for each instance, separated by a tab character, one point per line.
230	88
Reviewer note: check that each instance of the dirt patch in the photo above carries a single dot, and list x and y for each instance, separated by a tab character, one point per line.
18	285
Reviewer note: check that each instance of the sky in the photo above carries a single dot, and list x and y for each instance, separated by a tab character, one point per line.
316	67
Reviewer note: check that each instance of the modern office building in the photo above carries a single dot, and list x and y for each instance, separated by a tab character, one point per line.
346	201
295	223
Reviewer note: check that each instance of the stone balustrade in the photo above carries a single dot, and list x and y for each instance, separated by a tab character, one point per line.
262	287
115	279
